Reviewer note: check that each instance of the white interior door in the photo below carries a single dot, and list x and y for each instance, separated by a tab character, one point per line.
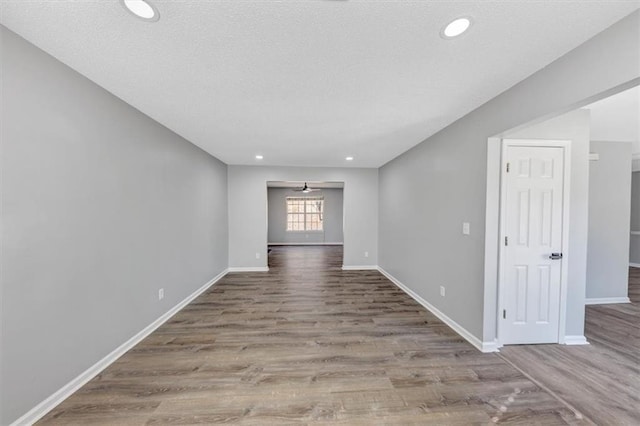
532	198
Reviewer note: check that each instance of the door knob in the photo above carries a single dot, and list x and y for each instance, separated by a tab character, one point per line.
555	256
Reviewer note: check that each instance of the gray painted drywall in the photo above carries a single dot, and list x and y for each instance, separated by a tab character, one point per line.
634	255
331	220
609	212
248	211
101	207
420	238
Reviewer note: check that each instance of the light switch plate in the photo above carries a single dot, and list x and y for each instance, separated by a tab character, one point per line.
466	228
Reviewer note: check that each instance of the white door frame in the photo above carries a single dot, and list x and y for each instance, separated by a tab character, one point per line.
566	197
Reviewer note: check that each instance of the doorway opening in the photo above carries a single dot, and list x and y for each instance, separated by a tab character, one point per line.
614	196
303	213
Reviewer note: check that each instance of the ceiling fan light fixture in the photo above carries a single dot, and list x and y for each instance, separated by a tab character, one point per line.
349	158
306	189
456	27
141	9
259	157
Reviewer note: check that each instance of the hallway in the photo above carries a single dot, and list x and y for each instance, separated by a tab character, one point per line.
307	342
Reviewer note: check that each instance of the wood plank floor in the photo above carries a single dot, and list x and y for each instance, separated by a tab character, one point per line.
601	380
308	343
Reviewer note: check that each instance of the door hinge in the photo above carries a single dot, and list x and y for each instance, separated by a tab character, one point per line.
504	314
506	241
508	167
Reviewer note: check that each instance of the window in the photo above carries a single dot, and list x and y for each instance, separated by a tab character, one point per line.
304	213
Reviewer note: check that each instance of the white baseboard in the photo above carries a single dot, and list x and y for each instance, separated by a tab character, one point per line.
634	265
248	269
304	244
477	343
488	347
575	340
40	410
359	267
606	300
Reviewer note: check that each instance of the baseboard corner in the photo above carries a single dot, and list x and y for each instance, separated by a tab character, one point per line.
360	268
575	340
248	269
491	346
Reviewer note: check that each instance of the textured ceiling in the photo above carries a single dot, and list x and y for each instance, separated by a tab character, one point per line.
308	82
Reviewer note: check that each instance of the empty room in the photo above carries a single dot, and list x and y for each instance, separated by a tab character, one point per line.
319	211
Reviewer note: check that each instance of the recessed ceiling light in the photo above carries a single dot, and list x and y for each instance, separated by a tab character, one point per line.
142	9
259	157
456	27
349	158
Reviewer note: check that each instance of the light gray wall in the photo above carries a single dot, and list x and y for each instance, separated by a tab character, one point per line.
248	211
331	217
101	207
617	118
421	242
609	212
574	126
634	255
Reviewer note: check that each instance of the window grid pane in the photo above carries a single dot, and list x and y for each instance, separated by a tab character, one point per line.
304	213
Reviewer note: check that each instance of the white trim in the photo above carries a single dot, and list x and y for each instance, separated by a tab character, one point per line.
40	410
463	332
605	300
360	267
634	265
248	269
490	315
304	244
575	340
566	203
635	232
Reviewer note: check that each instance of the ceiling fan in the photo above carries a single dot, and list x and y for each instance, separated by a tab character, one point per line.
305	189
